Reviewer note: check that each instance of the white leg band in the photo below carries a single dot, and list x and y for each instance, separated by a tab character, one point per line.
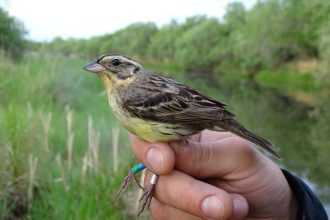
154	178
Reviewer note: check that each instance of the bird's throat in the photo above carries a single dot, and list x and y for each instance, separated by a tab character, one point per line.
108	83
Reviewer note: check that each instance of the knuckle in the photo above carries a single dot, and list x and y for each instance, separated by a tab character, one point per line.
183	199
238	141
204	156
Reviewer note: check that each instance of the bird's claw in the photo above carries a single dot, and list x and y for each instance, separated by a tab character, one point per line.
145	200
124	186
147	195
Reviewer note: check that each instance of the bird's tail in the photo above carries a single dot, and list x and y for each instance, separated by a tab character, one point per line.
233	126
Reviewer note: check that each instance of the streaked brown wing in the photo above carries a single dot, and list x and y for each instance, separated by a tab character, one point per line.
164	100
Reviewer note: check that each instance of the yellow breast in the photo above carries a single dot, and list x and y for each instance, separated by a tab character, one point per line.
147	130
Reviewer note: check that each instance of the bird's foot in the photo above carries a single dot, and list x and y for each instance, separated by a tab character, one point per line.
129	178
147	195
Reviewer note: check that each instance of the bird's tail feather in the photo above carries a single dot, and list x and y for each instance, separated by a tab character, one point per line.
236	128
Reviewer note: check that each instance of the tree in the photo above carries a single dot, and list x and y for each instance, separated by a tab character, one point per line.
304	19
162	44
198	48
257	44
12	34
132	40
235	16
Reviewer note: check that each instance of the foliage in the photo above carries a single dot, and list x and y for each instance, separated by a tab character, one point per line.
162	43
11	35
304	19
192	50
324	49
256	46
133	40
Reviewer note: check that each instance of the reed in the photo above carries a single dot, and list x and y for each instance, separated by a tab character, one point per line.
46	123
70	136
62	178
91	158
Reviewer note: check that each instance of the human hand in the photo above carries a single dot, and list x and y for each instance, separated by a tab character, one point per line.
215	175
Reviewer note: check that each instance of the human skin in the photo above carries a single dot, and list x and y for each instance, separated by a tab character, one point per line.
214	175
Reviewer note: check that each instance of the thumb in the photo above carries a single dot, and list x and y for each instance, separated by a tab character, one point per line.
217	158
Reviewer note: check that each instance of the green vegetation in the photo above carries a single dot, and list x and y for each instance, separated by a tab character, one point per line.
11	35
57	136
57	141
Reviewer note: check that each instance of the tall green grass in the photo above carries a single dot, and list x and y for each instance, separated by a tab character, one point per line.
57	142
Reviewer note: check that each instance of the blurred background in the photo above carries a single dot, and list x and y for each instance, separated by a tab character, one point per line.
62	153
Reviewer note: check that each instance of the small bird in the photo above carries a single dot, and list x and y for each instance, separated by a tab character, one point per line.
156	108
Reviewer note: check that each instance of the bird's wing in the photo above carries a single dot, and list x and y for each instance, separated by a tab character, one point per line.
164	100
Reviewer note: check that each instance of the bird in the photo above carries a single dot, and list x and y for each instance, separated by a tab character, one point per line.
157	108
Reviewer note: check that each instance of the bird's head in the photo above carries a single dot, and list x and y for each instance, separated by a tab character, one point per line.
113	67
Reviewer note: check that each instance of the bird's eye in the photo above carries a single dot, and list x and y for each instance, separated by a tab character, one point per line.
116	62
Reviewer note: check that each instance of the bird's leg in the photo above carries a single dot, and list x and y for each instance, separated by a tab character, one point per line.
130	177
147	195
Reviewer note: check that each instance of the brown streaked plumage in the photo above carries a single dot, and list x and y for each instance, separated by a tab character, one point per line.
172	110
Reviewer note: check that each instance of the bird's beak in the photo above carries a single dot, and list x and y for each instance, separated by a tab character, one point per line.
94	67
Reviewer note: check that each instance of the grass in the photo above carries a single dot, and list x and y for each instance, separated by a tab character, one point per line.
63	155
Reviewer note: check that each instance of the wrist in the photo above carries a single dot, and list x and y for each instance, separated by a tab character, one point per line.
283	196
293	208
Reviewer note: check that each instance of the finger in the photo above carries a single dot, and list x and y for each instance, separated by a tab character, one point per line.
204	160
182	192
161	211
241	207
159	157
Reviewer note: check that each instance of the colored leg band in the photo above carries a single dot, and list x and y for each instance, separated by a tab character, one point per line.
137	168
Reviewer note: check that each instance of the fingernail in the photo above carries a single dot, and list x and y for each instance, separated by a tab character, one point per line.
155	159
213	208
241	207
